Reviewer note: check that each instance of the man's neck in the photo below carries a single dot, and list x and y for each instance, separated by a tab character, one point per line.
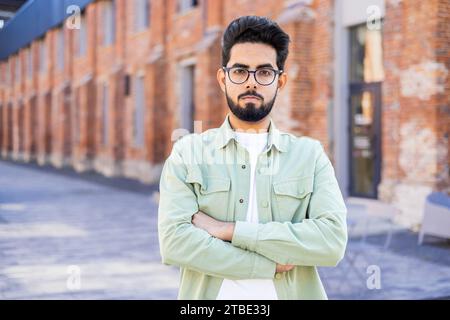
246	126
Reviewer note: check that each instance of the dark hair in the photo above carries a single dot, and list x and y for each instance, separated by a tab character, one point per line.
257	30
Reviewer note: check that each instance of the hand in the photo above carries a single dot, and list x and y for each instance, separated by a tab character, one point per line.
219	229
284	267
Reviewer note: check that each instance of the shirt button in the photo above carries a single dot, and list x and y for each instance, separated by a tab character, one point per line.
265	204
241	200
278	276
243	166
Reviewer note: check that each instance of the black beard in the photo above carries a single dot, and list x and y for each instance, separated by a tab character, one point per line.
250	113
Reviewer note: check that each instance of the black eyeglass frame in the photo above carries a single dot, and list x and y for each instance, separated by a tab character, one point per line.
277	72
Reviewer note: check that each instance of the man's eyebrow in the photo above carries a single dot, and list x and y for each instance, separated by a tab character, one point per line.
265	65
240	65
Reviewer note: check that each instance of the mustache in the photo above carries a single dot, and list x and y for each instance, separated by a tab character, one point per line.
250	93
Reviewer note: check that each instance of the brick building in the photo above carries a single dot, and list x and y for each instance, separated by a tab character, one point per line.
109	89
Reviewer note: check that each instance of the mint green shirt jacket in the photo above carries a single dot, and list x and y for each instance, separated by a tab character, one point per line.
302	214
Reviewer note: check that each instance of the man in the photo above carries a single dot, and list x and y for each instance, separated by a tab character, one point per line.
247	211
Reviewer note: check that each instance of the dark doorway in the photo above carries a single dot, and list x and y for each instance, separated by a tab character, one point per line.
365	146
366	75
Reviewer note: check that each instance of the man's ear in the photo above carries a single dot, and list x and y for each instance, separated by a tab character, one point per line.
282	79
221	79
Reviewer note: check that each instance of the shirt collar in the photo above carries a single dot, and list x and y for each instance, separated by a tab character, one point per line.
226	133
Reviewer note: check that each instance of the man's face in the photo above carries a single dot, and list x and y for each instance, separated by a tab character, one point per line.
250	100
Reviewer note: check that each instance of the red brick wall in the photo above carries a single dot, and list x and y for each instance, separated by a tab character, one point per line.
442	50
67	115
415	103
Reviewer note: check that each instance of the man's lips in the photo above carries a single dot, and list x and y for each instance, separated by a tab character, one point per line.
250	98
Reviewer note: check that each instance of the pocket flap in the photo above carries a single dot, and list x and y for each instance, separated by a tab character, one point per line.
194	176
208	184
294	187
215	184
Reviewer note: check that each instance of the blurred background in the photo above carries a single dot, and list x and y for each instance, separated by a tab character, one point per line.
94	93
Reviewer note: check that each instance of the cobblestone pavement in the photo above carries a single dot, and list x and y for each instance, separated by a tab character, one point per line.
65	235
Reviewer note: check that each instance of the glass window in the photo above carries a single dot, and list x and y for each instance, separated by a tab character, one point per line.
108	22
139	112
366	55
60	49
82	36
105	113
77	119
7	75
187	104
17	75
10	72
30	62
142	14
185	5
42	56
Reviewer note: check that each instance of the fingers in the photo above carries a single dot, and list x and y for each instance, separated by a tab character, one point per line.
284	268
195	219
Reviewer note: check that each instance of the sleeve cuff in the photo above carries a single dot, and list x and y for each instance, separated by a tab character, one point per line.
245	235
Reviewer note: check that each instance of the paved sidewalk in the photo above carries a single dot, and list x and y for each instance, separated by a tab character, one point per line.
406	270
55	224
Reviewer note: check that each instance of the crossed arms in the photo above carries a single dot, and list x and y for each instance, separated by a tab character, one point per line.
192	239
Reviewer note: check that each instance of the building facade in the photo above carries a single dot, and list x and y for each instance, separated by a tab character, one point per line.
109	86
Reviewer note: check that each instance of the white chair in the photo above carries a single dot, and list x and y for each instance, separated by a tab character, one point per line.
436	216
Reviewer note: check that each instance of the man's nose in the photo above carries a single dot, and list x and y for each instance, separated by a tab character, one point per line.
251	82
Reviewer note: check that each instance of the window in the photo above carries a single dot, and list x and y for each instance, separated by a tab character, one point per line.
60	49
82	37
30	62
185	5
105	113
187	106
139	112
142	14
2	125
76	116
127	85
8	73
17	73
366	55
42	56
108	22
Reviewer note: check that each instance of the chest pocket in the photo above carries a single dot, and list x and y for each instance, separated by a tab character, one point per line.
291	198
212	193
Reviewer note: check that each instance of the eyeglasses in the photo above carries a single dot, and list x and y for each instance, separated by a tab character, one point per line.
263	76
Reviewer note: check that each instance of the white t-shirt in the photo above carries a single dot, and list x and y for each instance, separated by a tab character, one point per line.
256	289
